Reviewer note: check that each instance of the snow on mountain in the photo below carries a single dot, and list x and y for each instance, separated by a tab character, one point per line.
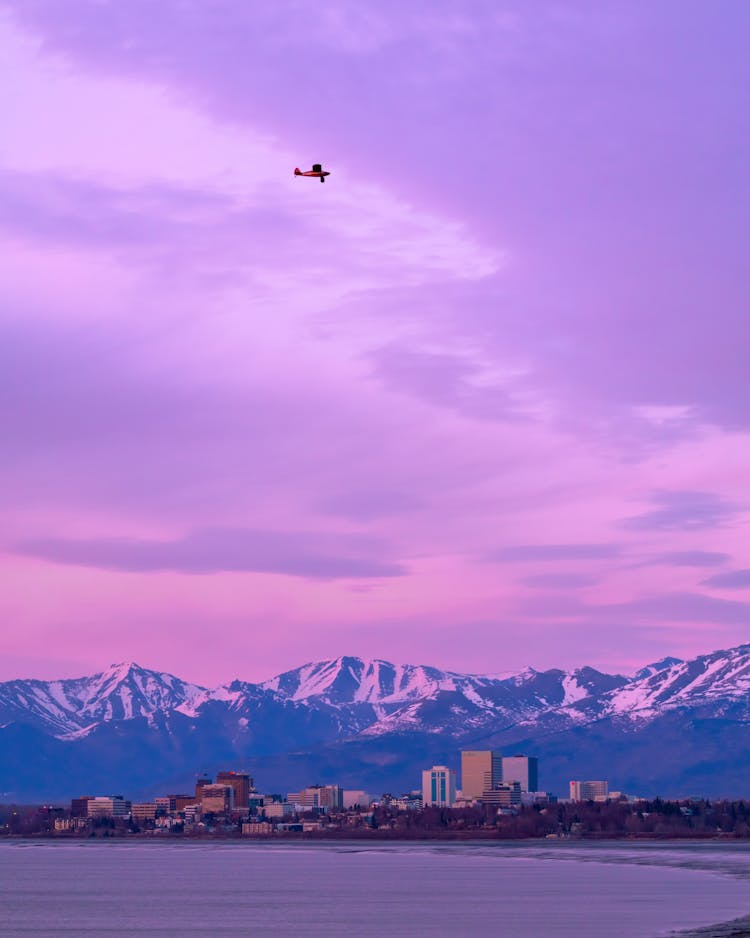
121	692
349	697
715	681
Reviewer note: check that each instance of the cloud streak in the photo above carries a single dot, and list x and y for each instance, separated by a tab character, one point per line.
223	550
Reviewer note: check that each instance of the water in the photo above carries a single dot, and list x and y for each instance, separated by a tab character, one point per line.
94	888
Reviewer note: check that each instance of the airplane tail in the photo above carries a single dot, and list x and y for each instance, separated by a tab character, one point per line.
297	171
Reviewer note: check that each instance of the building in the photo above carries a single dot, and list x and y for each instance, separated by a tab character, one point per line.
589	791
192	814
241	784
200	784
480	769
439	786
79	806
504	795
318	797
278	809
217	799
521	769
111	806
145	811
182	801
256	828
166	805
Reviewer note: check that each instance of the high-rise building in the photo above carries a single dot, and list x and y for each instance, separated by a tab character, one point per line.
439	786
217	799
589	791
521	769
481	769
240	783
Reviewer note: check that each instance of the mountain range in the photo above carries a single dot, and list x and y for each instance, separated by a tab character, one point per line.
674	728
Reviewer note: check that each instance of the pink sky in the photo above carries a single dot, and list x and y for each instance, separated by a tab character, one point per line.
481	401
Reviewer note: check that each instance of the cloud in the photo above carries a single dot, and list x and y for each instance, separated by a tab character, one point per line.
369	504
731	580
526	553
443	379
668	608
684	511
689	558
560	580
310	555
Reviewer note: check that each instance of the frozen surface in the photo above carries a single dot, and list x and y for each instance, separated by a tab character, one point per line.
223	889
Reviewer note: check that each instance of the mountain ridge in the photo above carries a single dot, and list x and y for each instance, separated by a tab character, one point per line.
332	715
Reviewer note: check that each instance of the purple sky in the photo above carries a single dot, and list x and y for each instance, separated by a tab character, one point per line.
481	401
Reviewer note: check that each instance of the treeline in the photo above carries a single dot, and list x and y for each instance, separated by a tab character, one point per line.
612	819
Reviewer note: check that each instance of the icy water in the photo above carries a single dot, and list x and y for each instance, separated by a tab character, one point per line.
86	888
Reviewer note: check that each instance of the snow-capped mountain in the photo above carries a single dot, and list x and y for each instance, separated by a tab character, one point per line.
121	692
374	718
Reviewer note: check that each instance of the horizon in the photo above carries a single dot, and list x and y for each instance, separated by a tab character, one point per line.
482	394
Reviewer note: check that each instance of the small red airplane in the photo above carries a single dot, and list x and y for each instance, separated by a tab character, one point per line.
316	171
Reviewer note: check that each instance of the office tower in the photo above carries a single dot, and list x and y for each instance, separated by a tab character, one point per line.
481	769
439	786
217	799
114	806
240	784
507	795
589	791
522	769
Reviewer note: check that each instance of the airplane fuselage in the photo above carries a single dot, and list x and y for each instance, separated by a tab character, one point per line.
317	174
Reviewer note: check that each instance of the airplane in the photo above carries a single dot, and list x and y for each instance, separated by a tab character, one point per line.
317	170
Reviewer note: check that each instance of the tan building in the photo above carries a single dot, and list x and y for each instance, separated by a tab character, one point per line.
589	791
217	799
200	784
256	828
145	811
240	783
326	797
481	769
279	809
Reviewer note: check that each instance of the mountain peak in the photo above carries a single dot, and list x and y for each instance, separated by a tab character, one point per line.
662	665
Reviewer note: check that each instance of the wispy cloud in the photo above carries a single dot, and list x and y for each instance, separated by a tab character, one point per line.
320	555
524	553
685	511
731	580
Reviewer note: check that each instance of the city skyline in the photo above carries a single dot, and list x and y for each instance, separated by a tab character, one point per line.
485	389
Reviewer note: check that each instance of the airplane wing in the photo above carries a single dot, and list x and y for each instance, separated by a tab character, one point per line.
317	167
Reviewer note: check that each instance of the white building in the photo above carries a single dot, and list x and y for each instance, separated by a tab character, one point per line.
521	769
439	786
114	806
589	791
